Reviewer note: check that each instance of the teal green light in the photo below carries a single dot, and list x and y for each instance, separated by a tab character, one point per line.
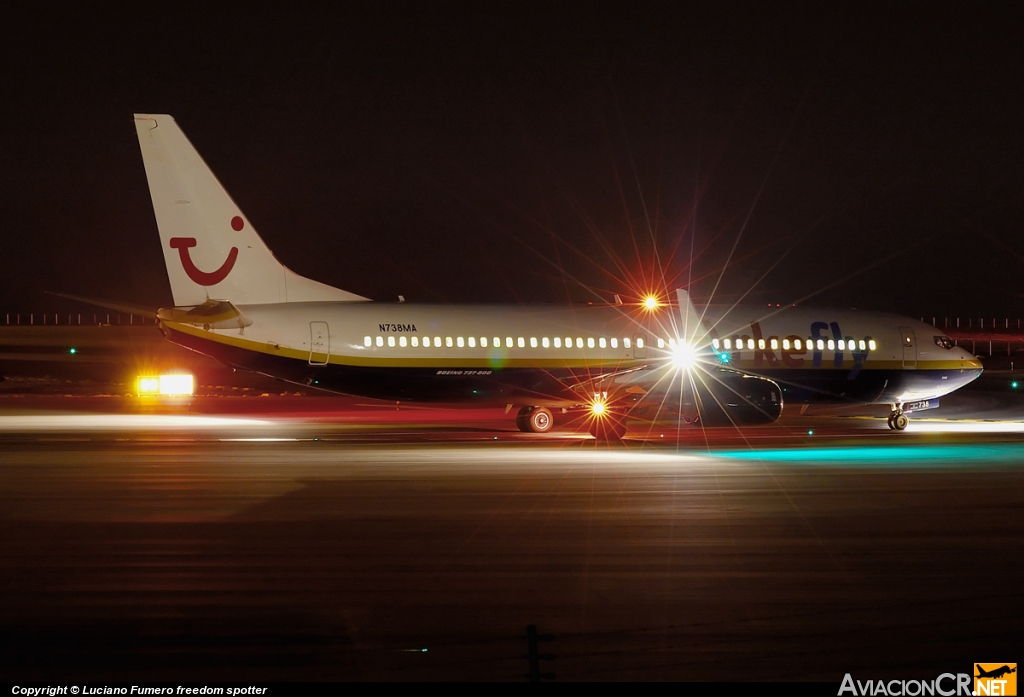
884	455
1014	384
724	357
72	350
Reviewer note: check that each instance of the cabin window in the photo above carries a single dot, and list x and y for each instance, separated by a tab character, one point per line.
760	344
716	344
391	341
521	342
568	342
639	342
415	341
601	343
558	342
798	345
727	344
774	344
831	345
367	341
533	342
545	342
590	342
460	342
872	345
483	341
379	341
821	344
750	344
448	341
842	345
579	342
472	342
862	345
402	341
509	342
437	342
615	342
661	343
625	342
785	344
497	343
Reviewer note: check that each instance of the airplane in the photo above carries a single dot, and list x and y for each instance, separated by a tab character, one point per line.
234	301
995	673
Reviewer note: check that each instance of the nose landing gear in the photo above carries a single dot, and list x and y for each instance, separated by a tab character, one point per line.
898	421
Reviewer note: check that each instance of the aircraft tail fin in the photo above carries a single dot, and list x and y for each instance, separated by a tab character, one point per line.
211	249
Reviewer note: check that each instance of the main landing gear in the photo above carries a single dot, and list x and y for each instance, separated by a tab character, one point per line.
898	421
534	420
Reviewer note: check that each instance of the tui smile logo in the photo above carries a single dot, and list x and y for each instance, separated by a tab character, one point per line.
206	278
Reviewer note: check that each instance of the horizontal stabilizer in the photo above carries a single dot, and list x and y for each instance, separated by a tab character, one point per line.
117	307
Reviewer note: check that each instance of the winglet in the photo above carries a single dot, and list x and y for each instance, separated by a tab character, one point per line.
691	328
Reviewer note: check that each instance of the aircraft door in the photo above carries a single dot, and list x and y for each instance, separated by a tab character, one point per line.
640	346
909	347
319	343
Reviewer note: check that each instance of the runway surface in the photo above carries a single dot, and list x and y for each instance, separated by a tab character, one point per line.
181	547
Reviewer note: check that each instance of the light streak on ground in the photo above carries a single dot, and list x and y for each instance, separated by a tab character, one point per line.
942	426
122	422
913	455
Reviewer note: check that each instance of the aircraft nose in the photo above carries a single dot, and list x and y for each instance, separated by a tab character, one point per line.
969	361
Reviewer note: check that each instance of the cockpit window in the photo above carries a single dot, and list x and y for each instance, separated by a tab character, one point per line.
944	342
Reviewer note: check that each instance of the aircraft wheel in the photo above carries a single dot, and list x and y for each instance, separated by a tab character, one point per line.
534	420
892	426
540	420
900	421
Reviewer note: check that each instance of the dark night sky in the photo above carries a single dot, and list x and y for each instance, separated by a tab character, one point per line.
479	152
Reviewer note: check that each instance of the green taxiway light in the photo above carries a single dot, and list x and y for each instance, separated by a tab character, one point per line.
73	351
1014	384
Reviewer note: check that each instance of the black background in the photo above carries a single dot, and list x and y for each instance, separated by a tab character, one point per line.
864	154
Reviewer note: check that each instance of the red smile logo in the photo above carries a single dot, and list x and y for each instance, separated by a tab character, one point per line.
206	278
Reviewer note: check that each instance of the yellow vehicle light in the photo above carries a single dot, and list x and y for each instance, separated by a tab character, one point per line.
172	385
176	385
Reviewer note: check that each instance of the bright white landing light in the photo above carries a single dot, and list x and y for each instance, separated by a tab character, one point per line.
683	355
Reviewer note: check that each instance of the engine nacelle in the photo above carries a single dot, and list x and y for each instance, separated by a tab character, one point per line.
727	397
719	397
